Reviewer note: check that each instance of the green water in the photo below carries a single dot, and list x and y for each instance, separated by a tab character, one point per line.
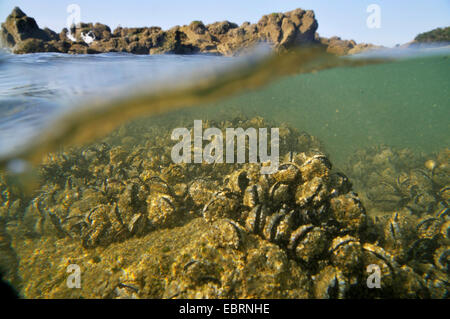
402	104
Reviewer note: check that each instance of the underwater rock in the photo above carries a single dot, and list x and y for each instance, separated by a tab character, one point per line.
393	179
141	226
101	193
9	263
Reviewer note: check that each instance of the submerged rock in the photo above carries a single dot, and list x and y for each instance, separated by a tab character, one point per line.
140	226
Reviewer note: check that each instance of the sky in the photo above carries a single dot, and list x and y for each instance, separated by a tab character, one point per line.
399	20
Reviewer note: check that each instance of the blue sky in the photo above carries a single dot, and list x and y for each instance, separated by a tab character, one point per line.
401	20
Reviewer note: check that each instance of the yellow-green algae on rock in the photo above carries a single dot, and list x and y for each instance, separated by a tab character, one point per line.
139	226
158	266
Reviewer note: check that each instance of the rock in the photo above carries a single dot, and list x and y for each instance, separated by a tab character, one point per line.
61	46
195	38
112	45
52	35
221	27
81	48
337	46
34	45
63	35
138	48
290	29
102	31
363	47
280	30
197	27
19	27
9	262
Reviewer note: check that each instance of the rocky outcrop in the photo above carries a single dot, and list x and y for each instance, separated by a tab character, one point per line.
18	28
21	34
337	46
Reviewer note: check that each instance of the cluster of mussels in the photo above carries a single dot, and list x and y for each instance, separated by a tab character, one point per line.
392	179
408	194
103	193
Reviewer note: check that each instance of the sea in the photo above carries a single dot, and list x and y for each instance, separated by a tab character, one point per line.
54	107
403	102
